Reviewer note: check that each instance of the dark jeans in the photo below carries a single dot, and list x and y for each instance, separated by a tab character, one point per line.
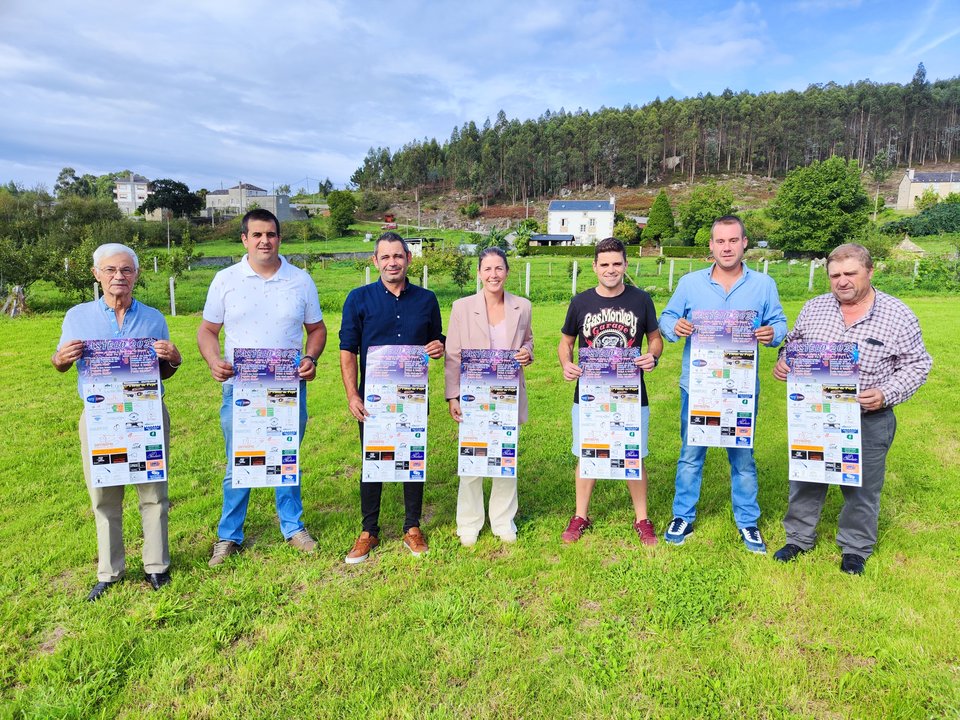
370	493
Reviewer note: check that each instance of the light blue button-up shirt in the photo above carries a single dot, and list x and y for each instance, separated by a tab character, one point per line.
698	291
97	321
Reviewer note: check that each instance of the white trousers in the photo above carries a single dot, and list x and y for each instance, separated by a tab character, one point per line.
503	506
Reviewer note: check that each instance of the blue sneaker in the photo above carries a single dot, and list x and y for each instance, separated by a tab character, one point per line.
753	540
677	531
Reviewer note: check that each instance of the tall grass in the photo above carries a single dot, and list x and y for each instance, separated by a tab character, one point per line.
605	628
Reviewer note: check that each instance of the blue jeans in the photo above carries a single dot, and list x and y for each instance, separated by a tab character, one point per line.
743	477
289	504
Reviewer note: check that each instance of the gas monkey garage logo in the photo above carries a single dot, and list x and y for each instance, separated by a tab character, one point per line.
611	327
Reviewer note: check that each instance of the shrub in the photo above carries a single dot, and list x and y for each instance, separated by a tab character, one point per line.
684	251
941	218
471	210
373	202
937	274
927	200
877	243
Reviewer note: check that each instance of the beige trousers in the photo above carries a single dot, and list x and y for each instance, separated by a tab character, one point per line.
107	505
503	506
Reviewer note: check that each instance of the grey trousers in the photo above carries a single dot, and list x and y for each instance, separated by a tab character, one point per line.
107	505
857	525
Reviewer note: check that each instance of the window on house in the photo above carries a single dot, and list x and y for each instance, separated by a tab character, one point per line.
583	228
563	222
593	222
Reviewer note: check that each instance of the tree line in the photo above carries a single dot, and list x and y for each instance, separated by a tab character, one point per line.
769	133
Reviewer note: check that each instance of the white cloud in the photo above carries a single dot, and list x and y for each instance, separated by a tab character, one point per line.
203	90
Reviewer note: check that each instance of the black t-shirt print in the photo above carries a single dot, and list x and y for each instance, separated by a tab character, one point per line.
620	321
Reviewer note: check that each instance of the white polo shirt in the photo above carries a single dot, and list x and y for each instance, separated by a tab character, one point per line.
258	313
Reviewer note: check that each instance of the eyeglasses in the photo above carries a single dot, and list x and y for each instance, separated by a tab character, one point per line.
125	271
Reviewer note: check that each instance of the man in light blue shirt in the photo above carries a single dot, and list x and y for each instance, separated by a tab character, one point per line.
118	315
728	284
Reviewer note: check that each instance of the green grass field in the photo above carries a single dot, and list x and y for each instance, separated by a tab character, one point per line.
606	628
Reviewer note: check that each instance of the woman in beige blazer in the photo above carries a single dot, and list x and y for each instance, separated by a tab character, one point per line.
490	320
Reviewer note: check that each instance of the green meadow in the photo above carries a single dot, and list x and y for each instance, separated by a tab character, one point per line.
604	628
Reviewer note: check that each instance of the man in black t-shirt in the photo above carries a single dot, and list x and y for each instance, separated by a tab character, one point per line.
610	315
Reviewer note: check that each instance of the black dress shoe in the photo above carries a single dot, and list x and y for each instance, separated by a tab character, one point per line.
158	580
99	589
852	564
788	552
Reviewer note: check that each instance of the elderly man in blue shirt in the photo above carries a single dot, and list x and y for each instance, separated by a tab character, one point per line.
390	311
118	315
728	284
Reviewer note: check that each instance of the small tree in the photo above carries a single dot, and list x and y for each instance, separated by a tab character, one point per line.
460	273
342	206
702	238
707	203
821	206
880	170
496	238
626	231
171	195
660	223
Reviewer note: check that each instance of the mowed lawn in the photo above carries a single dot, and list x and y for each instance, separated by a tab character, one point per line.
605	628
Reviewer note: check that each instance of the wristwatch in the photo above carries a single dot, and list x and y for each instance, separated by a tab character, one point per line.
311	358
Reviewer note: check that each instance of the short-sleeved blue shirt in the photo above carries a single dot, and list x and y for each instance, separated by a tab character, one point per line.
372	315
96	321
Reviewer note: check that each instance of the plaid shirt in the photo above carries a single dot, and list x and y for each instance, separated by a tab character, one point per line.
892	355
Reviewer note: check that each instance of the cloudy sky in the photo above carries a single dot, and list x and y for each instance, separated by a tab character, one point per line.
279	92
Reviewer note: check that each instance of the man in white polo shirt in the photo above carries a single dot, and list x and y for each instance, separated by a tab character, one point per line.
263	302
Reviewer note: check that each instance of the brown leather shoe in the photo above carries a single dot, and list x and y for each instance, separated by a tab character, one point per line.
415	541
361	548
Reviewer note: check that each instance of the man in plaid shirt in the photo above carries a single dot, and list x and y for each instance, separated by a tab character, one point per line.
893	365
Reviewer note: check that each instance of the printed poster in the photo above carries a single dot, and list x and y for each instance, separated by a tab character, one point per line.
266	417
395	432
823	415
723	378
611	441
120	383
489	401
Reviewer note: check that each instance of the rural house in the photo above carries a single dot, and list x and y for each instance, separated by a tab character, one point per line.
241	198
587	220
914	184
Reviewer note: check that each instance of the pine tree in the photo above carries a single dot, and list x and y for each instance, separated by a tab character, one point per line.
660	224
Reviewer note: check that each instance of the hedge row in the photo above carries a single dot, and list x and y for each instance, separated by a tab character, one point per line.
562	251
685	251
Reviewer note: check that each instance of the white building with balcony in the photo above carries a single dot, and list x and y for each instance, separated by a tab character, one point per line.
131	192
